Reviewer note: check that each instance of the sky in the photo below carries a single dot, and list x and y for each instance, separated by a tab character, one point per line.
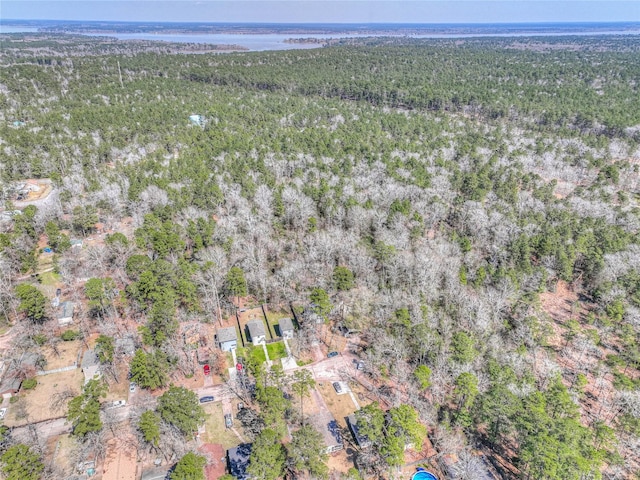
326	11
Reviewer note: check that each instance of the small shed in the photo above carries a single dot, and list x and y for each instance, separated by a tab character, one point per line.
90	366
238	460
64	314
286	328
361	440
227	338
257	332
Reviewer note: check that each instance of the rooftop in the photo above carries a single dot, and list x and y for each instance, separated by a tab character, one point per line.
66	310
90	359
227	334
286	325
256	328
10	384
154	474
327	426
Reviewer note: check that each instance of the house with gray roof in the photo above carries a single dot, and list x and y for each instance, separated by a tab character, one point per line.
10	385
154	474
286	328
327	426
64	315
257	332
227	338
12	379
90	366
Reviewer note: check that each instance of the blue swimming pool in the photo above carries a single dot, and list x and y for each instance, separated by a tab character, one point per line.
422	475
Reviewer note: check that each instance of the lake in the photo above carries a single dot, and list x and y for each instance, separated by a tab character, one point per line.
276	41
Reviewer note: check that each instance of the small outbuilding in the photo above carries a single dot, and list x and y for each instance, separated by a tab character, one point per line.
286	328
257	332
227	338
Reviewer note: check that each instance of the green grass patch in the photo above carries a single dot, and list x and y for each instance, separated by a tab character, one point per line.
215	431
253	355
276	350
273	317
50	279
257	355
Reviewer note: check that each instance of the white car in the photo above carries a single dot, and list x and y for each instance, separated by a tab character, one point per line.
132	387
119	403
3	412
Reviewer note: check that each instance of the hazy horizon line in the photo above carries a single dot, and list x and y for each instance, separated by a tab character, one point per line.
8	20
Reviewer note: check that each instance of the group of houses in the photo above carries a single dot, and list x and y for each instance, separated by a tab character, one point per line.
255	333
13	371
227	337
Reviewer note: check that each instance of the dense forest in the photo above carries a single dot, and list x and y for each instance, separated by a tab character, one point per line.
470	207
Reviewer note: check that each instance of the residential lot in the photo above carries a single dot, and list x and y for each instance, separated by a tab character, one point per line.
120	462
340	405
273	317
248	314
66	355
215	431
118	390
38	401
61	448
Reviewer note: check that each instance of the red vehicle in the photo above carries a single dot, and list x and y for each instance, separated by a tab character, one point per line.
207	369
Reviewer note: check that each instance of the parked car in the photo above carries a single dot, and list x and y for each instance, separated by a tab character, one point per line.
332	354
132	387
206	399
359	365
337	387
119	403
207	369
228	420
3	412
240	405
